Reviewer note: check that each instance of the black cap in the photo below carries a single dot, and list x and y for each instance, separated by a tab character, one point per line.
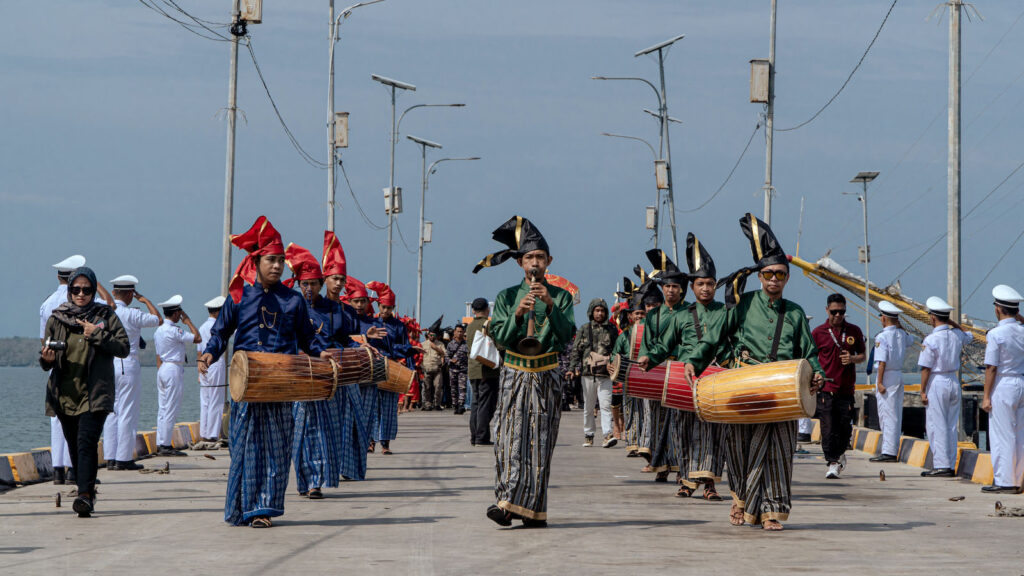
479	304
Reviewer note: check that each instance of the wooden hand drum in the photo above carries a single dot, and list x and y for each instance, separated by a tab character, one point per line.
270	377
772	392
399	380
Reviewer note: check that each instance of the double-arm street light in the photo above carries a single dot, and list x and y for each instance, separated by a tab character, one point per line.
335	24
863	178
394	85
424	144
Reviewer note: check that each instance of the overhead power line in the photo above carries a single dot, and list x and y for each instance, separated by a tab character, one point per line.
359	207
196	27
848	78
757	127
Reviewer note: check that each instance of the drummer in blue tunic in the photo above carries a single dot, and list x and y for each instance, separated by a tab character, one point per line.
396	347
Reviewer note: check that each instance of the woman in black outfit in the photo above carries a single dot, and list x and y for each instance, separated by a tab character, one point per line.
82	339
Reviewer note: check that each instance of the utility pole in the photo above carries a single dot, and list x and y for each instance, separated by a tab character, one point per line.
394	86
953	170
769	122
424	144
330	121
237	30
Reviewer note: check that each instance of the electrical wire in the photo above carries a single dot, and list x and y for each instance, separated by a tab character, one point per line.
757	127
402	238
359	207
217	37
848	78
199	21
291	137
994	266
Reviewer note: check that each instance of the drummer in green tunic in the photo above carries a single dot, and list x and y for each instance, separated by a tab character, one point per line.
529	405
702	321
760	326
668	426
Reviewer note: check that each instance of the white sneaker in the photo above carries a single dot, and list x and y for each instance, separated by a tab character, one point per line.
588	441
842	462
833	471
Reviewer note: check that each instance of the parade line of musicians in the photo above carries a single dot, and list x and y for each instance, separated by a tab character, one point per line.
91	350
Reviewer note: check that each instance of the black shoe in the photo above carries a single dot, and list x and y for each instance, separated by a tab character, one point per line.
111	464
59	476
938	473
529	523
485	443
803	437
70	475
566	408
169	451
129	465
459	411
993	489
883	458
499	516
83	505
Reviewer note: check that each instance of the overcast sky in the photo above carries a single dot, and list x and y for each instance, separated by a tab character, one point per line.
113	144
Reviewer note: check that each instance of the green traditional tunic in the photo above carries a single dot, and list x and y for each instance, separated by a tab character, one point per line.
761	454
529	407
666	424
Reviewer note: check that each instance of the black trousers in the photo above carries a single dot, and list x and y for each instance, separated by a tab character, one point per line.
485	400
835	411
83	435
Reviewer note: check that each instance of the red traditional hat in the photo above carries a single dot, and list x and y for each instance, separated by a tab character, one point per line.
262	239
385	295
354	289
302	263
334	256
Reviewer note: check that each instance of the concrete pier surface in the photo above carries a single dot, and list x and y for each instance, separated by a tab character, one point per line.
421	511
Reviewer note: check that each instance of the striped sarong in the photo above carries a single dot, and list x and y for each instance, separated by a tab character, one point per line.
663	429
762	457
315	443
681	429
707	452
526	428
353	437
368	401
633	420
387	416
261	442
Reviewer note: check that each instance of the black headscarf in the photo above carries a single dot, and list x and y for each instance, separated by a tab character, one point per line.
68	313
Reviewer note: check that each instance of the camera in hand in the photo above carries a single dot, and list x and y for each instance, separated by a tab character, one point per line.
55	344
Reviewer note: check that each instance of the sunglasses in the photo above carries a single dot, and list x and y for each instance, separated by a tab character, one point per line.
838	312
775	274
86	290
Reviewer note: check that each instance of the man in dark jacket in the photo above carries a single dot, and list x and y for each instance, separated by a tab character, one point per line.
483	381
457	356
590	353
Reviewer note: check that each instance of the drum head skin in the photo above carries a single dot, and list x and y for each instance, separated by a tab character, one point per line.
238	375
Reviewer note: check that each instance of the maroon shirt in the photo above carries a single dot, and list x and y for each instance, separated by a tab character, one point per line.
831	343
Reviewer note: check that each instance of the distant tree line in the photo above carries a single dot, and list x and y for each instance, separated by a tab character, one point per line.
25	352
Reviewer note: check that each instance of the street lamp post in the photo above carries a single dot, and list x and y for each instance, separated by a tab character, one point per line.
394	85
863	178
423	197
335	23
423	144
657	203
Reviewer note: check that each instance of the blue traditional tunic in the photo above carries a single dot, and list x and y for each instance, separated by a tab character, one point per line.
367	391
396	347
354	437
317	445
274	319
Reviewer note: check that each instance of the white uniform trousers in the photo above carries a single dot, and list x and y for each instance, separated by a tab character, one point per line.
943	415
122	424
597	390
58	444
1006	430
890	411
211	401
805	426
170	380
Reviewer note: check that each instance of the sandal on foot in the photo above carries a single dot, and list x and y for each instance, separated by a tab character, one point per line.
261	522
647	469
684	492
771	525
499	516
711	494
316	494
386	452
661	477
736	516
371	447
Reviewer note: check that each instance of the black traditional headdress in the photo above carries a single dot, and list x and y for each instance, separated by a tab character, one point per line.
765	250
698	260
666	270
436	326
520	235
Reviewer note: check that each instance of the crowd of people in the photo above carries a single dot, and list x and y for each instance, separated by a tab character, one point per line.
91	350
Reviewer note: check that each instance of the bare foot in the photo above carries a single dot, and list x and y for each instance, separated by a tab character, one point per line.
736	515
773	525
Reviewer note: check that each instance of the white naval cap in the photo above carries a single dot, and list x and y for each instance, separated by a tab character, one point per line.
217	302
1006	296
126	282
888	309
172	303
938	306
67	265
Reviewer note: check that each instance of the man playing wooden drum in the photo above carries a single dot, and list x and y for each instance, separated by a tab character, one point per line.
264	316
536	320
762	327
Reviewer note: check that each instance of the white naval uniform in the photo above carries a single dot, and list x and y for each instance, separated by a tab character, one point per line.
941	353
58	444
211	389
170	341
1005	351
121	425
891	347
